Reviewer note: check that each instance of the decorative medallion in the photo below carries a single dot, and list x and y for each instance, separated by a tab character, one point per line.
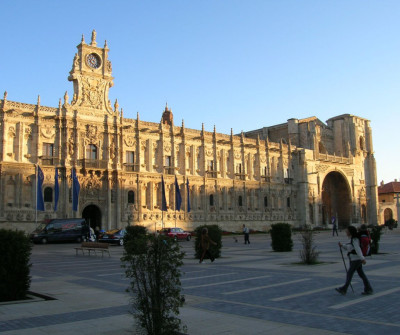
48	131
130	141
91	132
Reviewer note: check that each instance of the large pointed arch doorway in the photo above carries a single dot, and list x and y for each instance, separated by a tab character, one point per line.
92	215
336	199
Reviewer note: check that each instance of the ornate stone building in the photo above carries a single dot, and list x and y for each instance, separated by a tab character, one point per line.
300	172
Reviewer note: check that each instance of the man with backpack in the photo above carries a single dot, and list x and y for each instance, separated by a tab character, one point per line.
357	260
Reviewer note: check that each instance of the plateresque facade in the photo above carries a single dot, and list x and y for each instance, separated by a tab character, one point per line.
299	172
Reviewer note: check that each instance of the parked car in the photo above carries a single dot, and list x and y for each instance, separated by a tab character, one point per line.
113	237
176	233
60	230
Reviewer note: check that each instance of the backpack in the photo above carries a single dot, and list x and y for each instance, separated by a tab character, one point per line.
364	242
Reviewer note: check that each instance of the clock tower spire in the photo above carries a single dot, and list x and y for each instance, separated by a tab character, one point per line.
91	76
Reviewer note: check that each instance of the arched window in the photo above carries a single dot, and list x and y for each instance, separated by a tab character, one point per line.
211	200
131	197
240	200
265	201
91	151
48	194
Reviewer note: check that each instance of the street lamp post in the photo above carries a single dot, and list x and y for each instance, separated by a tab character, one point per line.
397	197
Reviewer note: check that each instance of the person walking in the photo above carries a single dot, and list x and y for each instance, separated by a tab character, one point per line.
357	260
246	232
334	228
205	245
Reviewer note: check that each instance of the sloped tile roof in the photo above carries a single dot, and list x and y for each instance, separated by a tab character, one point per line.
393	187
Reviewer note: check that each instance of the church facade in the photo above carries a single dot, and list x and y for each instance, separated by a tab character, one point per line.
300	172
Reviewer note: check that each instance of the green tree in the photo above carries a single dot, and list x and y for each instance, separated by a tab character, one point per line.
15	252
154	271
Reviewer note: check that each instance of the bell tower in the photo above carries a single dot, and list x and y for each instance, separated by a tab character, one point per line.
91	76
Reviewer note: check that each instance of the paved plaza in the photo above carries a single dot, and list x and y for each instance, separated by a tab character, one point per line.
249	290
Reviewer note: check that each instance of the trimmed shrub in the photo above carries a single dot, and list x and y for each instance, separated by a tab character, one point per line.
15	252
155	283
281	236
215	234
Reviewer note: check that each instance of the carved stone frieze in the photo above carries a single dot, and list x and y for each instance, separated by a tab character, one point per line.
48	131
130	141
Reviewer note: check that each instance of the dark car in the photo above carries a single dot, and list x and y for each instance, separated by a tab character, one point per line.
176	233
61	230
113	237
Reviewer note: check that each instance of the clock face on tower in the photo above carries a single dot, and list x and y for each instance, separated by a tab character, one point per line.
93	60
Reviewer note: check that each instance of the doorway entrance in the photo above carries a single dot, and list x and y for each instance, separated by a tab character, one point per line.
336	199
92	215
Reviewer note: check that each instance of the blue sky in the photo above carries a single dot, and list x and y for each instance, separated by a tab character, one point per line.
233	64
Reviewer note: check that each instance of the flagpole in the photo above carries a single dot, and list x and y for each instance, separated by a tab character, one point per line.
36	189
72	191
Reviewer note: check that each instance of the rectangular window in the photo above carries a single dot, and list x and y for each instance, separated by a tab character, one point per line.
210	165
48	149
168	165
130	157
239	168
130	161
91	152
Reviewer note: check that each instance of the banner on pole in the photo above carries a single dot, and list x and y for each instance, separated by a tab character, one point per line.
39	195
76	187
163	199
178	197
188	193
56	190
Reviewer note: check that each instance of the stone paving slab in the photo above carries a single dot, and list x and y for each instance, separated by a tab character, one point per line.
249	290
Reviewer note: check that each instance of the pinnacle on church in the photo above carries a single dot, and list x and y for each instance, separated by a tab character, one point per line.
94	43
167	116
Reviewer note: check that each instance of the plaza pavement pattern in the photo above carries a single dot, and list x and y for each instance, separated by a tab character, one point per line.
249	290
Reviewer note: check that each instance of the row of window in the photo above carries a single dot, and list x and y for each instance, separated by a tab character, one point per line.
92	154
48	197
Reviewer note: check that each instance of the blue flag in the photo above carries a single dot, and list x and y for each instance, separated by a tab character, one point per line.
163	200
75	190
178	197
39	191
56	190
188	197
